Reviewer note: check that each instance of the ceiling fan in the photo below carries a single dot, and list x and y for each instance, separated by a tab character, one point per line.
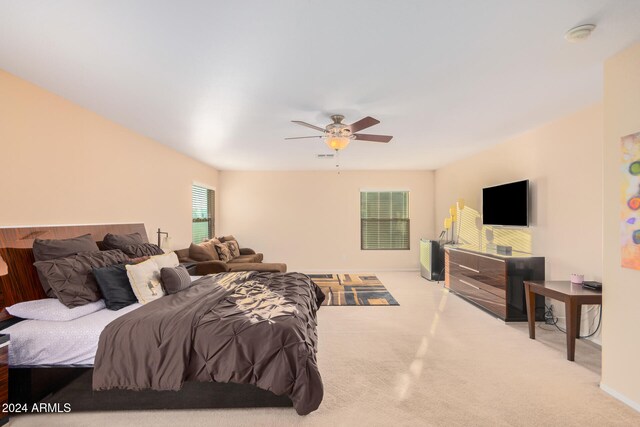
338	135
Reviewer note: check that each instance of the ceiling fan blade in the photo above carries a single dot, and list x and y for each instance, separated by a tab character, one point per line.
363	124
308	125
373	138
304	137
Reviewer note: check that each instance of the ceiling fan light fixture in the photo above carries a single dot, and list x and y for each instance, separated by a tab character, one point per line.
337	142
337	135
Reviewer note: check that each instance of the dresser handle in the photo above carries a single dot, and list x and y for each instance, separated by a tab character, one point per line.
469	268
469	284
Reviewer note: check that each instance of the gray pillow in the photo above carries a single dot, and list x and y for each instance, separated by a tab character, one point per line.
44	250
71	279
142	249
114	286
48	249
175	279
121	241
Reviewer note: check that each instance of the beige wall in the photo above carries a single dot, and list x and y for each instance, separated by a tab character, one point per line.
62	164
311	220
563	162
621	291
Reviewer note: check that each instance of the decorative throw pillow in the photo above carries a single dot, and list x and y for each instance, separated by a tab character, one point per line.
48	249
51	309
71	279
114	286
205	251
138	260
175	279
144	279
142	249
167	260
226	238
234	249
120	241
223	252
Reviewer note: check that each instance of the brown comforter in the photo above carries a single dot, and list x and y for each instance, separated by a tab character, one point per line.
256	328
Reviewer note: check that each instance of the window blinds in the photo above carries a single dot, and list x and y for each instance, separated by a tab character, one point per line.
384	219
202	208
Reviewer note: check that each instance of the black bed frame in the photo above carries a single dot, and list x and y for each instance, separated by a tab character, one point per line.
72	385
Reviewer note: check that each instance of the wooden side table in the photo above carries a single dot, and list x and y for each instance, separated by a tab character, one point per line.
4	377
573	296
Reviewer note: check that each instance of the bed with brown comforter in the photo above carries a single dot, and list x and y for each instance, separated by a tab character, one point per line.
249	327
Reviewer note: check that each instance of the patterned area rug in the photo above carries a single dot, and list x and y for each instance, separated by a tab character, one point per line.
353	289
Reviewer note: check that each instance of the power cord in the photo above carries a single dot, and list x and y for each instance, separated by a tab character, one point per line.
550	319
441	276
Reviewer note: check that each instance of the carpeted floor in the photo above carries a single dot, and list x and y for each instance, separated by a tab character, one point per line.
353	289
435	360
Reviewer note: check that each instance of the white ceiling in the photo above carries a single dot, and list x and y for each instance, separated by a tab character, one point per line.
221	80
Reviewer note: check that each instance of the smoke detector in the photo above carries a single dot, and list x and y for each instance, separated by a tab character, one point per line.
579	33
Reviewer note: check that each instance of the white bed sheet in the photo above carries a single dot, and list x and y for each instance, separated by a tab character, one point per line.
75	342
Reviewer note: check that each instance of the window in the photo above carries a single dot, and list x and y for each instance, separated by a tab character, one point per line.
384	219
203	207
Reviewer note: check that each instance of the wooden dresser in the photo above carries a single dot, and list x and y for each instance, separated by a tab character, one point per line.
494	282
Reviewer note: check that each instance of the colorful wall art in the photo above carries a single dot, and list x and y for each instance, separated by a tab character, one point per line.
630	202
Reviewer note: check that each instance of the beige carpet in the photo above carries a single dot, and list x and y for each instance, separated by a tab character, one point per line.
434	360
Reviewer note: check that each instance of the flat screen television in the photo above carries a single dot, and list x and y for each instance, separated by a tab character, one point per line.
506	204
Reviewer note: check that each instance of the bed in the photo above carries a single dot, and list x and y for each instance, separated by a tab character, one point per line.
265	322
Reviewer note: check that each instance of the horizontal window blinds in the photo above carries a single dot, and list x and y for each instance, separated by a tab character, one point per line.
202	218
384	219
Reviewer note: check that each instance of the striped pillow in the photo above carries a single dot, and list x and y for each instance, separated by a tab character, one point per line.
223	252
234	249
175	279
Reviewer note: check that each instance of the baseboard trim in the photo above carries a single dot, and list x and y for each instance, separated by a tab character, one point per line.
621	397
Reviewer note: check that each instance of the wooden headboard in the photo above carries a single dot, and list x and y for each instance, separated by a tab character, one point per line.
22	283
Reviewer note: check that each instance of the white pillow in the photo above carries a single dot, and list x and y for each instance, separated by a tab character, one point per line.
52	309
144	279
169	260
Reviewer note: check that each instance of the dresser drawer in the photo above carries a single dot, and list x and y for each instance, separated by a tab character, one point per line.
462	271
493	272
488	300
480	281
465	260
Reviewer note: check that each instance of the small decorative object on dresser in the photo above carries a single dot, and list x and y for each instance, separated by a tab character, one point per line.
4	377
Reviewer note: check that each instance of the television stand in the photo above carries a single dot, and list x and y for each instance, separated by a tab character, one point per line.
495	283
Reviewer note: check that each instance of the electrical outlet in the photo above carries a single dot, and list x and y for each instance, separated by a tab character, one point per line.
548	315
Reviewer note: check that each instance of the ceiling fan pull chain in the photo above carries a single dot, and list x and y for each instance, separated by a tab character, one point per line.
338	161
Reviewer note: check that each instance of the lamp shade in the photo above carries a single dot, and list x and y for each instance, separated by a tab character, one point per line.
167	244
4	269
337	142
447	223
